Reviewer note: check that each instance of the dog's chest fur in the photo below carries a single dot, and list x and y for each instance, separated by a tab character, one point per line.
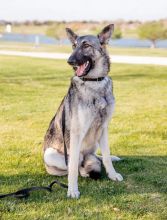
95	97
92	103
87	103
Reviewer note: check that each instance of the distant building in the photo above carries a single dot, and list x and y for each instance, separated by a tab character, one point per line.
8	28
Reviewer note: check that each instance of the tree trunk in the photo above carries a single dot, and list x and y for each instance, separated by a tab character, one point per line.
153	44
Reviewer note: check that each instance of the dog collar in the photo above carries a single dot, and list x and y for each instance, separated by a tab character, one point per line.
93	79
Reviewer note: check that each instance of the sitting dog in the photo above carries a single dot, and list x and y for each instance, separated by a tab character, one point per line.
86	110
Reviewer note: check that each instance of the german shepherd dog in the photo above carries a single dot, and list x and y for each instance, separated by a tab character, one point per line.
88	108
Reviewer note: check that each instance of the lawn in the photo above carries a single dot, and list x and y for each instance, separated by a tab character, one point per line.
31	91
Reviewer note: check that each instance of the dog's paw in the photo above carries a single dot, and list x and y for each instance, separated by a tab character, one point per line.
73	193
116	176
115	158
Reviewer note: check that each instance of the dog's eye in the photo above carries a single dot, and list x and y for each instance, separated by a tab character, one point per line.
86	45
74	46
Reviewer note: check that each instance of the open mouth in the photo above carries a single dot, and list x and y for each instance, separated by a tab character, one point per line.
83	69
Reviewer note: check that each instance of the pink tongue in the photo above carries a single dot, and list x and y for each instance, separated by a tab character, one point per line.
80	70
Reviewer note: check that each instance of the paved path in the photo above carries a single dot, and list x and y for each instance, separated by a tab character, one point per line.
114	58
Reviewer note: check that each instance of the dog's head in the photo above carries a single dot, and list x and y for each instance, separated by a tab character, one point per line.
89	58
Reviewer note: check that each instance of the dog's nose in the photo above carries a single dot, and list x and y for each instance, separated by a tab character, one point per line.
71	60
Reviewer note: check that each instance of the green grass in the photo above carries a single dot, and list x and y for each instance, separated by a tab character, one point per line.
67	49
31	91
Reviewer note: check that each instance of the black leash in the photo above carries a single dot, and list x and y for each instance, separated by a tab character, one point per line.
24	193
63	131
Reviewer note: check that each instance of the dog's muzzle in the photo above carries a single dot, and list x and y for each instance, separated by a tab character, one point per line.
81	67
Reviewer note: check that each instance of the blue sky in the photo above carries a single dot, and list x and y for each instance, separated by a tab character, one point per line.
82	10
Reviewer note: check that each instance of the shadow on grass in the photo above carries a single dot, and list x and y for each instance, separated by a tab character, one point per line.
142	174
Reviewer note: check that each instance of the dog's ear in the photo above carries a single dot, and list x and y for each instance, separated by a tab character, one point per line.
71	35
106	33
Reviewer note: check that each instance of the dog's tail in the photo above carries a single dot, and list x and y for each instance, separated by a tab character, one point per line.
91	167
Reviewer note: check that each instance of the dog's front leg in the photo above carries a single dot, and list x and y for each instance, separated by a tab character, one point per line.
79	127
112	174
75	144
